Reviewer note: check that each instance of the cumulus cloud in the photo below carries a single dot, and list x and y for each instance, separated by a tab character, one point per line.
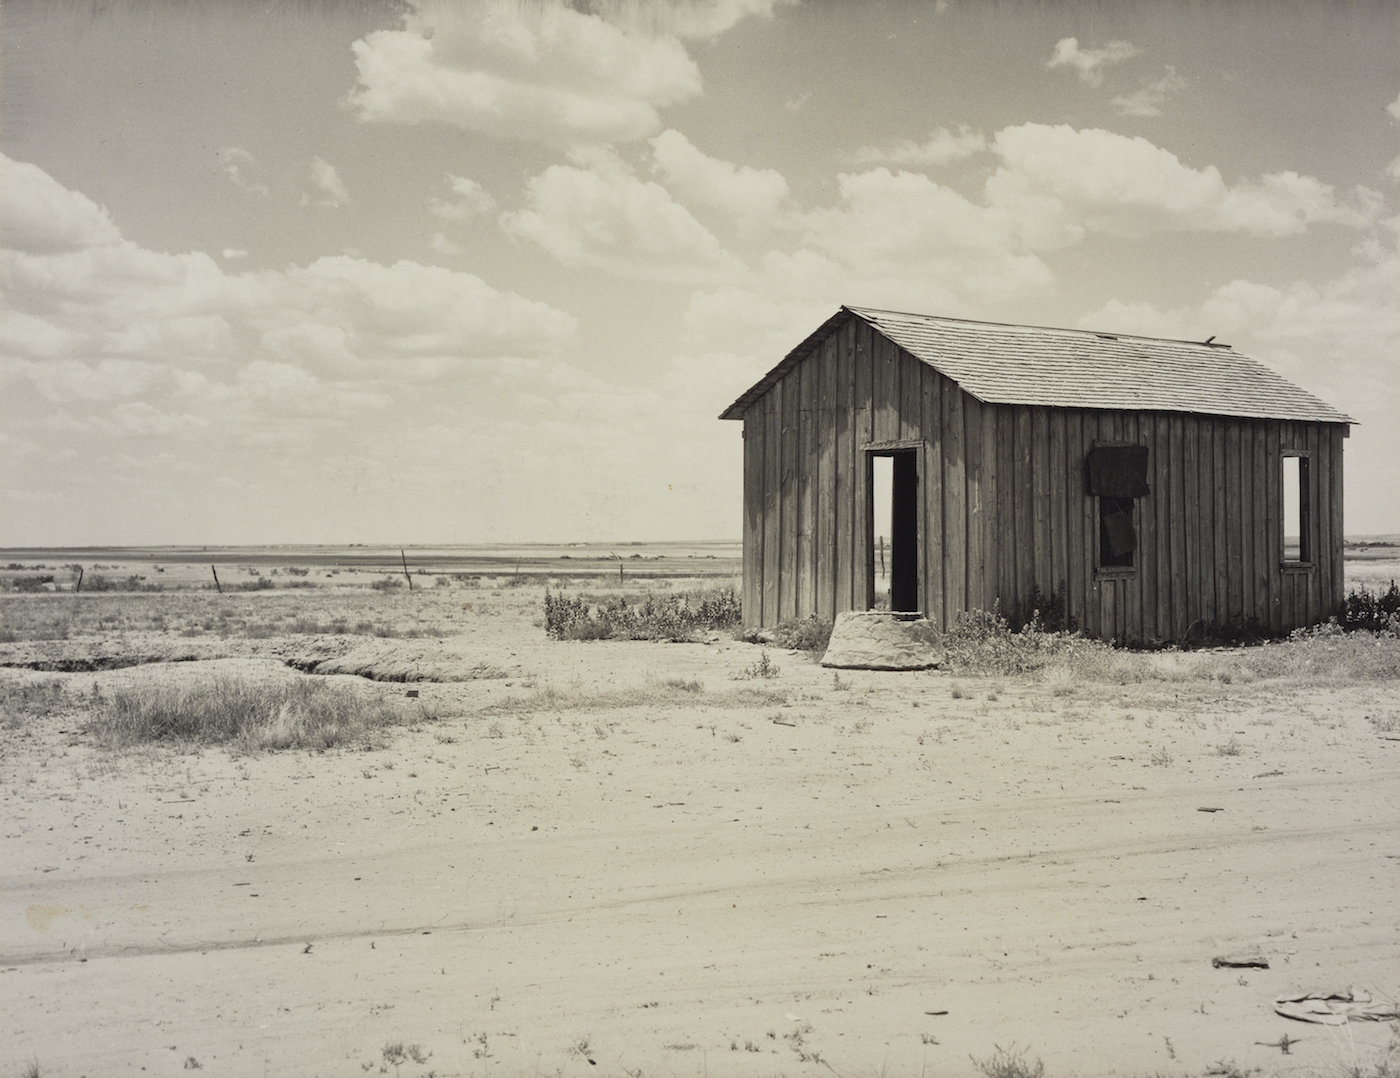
595	212
1148	100
748	194
1059	182
90	316
1394	108
472	200
684	18
40	216
334	193
235	160
539	71
940	148
1090	62
234	252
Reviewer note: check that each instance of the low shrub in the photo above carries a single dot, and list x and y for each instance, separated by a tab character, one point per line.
657	617
1377	612
810	634
244	714
982	642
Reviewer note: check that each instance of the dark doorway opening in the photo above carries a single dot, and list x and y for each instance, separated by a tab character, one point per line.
894	553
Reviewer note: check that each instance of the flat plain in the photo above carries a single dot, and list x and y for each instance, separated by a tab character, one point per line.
651	858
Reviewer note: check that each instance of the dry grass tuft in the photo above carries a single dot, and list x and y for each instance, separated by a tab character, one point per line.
248	715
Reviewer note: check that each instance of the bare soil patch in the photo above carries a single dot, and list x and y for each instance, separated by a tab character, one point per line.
623	857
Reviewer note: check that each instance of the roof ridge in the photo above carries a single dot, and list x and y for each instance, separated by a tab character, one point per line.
1115	334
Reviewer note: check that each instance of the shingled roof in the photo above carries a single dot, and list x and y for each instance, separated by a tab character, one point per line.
1072	368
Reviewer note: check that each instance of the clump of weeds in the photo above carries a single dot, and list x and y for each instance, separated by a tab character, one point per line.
764	667
1009	1063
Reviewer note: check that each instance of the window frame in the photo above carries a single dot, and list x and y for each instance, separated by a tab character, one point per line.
1304	561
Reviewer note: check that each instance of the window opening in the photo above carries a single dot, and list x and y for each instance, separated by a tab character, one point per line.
1117	538
1296	515
1117	475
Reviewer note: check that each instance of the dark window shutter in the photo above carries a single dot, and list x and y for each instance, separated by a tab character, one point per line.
1118	471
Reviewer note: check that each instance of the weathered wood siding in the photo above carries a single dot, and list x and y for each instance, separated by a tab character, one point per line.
1004	508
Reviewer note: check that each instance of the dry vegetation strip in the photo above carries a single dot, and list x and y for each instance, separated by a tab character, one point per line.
245	714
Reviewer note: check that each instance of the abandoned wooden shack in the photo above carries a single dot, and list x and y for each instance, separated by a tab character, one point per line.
1151	490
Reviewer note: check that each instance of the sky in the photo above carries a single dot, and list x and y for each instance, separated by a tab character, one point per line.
309	271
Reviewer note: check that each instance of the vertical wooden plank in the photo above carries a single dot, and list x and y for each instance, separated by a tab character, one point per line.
1144	565
862	550
910	398
1178	472
1336	535
806	491
1024	501
1234	519
753	514
992	537
1191	526
931	418
1006	503
954	501
1156	590
1244	498
1221	564
1040	503
911	379
1078	575
772	482
824	552
787	506
975	568
884	388
1058	491
844	498
1111	430
1318	526
1259	523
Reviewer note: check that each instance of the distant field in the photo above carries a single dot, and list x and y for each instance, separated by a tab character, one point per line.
241	568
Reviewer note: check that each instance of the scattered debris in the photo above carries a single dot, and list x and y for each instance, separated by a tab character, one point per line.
1248	960
1336	1008
1210	810
1282	1044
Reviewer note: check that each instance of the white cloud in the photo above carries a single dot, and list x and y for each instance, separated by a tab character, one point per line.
755	196
1088	62
1393	169
327	179
234	252
1339	339
1058	182
940	148
540	71
92	316
472	200
235	160
40	216
1394	108
684	18
596	212
1148	100
444	246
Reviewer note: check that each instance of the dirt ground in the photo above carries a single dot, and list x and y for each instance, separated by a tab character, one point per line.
581	866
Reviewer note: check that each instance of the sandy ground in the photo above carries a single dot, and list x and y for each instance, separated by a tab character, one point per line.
891	875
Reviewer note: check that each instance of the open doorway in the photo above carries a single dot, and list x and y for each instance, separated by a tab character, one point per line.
893	571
